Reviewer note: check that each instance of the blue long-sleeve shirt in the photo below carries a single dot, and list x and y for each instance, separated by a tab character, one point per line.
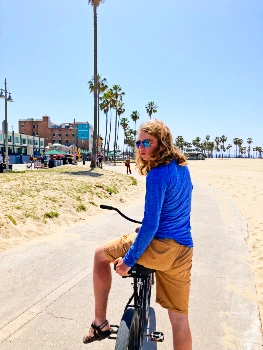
166	211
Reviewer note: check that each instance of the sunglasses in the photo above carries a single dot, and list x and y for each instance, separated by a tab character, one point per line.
145	143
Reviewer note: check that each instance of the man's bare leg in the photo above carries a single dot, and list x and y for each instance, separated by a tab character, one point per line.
101	284
182	339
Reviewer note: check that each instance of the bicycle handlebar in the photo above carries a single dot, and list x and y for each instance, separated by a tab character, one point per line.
108	207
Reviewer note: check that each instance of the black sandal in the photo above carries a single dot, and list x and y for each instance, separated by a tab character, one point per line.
98	333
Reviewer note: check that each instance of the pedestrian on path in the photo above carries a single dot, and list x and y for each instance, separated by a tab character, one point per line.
128	165
164	240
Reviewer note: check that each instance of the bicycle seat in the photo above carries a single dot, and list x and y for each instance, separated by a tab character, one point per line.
139	270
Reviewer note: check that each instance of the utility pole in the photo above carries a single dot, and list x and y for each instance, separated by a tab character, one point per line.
7	99
6	132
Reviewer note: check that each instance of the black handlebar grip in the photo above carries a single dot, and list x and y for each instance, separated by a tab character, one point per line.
102	206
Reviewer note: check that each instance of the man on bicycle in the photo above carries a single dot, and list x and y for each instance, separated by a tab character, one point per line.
163	242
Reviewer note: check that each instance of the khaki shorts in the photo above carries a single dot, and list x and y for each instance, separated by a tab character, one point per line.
172	263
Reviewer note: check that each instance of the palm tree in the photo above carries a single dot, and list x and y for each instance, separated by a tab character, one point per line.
249	141
228	148
259	150
196	142
217	142
102	87
116	98
127	135
125	125
223	139
179	142
105	107
210	148
239	143
120	111
207	143
151	108
235	142
135	116
132	139
95	4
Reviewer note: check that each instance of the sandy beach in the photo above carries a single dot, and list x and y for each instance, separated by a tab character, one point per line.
242	181
38	203
42	202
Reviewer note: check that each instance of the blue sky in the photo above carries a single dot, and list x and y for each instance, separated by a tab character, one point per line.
201	61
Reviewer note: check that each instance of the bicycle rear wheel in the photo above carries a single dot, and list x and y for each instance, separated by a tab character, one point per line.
128	337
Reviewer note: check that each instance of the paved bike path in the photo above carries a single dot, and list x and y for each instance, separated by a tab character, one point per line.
46	285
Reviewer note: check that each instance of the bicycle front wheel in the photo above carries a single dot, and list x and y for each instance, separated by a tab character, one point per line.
147	298
128	337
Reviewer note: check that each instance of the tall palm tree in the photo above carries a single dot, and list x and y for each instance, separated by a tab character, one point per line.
116	98
127	135
120	111
223	139
239	143
95	4
135	116
207	143
217	142
235	142
131	139
249	141
228	148
124	124
151	108
105	107
210	148
102	87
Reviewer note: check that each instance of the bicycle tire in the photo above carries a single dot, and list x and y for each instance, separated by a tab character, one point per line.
128	337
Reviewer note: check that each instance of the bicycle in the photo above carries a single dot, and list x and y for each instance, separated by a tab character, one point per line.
129	334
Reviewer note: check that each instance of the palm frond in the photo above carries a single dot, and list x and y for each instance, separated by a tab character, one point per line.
95	3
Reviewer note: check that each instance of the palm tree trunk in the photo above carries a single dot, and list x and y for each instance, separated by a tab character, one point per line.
94	145
114	152
106	133
98	118
108	142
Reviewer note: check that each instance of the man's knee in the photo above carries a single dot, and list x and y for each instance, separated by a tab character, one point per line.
178	320
100	256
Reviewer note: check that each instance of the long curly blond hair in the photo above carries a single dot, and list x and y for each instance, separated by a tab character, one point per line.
165	153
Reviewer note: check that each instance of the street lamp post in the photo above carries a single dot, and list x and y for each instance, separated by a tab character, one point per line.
7	99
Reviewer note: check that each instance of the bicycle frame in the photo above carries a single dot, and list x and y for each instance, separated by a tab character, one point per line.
129	335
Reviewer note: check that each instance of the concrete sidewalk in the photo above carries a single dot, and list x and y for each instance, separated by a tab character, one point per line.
46	285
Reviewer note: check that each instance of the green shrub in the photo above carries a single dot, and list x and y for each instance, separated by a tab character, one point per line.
51	215
93	203
134	181
81	207
11	218
112	189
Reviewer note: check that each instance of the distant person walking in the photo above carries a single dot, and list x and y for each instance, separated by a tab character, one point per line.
100	158
128	165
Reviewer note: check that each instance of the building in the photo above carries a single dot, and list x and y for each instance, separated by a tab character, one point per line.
76	133
21	146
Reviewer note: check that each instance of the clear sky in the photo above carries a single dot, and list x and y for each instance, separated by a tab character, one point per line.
200	61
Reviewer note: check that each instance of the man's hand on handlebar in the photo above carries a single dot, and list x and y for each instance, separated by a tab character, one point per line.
121	268
137	229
